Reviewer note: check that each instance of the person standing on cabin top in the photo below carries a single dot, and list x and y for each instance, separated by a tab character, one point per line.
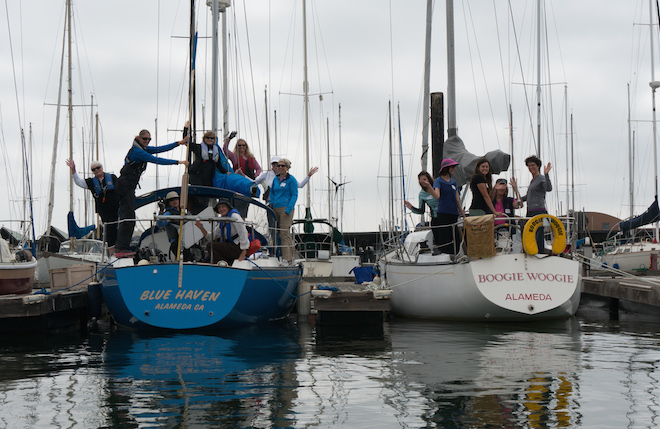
242	159
268	176
481	185
536	191
425	199
446	235
229	240
207	157
135	164
102	185
283	197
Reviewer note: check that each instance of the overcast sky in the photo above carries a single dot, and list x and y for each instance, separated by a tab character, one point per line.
131	56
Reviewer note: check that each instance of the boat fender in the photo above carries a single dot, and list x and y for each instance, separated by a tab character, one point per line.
529	234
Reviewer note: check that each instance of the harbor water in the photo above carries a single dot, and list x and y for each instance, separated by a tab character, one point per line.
581	373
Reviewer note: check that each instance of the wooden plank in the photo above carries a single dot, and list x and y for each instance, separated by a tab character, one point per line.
351	301
14	306
624	289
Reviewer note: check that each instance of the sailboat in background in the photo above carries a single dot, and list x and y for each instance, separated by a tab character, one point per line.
17	262
78	249
319	243
630	254
501	285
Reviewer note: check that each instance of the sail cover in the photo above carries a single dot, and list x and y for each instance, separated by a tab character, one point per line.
454	148
74	230
652	214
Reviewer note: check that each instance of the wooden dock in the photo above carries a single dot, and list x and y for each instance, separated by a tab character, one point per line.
640	295
336	301
42	312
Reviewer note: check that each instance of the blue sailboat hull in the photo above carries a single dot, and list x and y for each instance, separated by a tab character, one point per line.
210	297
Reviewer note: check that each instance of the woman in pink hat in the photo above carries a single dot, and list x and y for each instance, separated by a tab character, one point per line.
446	235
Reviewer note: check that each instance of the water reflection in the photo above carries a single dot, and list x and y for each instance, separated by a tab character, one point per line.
408	374
185	380
482	375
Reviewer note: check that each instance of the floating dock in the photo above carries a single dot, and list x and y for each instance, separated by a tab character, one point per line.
639	295
41	312
336	301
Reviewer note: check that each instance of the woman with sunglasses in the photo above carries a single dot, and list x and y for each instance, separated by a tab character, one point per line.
135	164
242	159
207	158
283	197
102	186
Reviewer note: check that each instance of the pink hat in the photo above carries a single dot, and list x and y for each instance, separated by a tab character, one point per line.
447	162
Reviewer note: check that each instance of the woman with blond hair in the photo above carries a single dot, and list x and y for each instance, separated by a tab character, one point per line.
242	159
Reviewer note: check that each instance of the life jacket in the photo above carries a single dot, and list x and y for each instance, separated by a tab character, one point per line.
98	189
132	170
507	205
248	166
227	237
172	227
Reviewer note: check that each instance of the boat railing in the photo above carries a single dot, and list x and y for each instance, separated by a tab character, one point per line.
253	232
507	238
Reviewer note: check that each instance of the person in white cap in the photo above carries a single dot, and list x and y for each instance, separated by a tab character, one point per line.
102	186
171	208
268	176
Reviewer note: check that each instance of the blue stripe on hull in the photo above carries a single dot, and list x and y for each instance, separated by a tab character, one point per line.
148	296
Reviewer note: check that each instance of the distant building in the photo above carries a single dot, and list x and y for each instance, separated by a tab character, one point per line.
599	225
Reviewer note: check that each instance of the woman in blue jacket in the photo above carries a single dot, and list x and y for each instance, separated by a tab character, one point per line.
283	197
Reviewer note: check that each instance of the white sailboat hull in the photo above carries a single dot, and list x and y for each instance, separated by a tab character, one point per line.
631	258
512	287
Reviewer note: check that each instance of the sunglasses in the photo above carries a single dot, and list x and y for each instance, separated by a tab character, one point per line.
96	168
146	138
281	165
241	145
209	138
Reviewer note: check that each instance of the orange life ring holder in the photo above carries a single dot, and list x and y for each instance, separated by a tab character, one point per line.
529	234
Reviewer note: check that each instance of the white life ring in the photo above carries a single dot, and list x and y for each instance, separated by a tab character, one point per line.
529	234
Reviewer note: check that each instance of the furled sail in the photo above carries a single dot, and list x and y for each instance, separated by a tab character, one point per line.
74	230
454	148
652	214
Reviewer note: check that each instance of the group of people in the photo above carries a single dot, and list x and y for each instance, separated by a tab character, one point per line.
442	197
115	196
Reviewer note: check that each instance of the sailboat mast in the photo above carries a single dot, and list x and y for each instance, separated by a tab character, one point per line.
451	76
538	78
631	183
53	160
306	101
391	172
225	96
427	78
568	196
654	85
70	89
327	127
340	208
214	65
267	126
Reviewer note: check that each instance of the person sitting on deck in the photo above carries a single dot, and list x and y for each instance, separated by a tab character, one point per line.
229	240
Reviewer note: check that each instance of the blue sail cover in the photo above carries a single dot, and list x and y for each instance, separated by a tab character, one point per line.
74	230
652	214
